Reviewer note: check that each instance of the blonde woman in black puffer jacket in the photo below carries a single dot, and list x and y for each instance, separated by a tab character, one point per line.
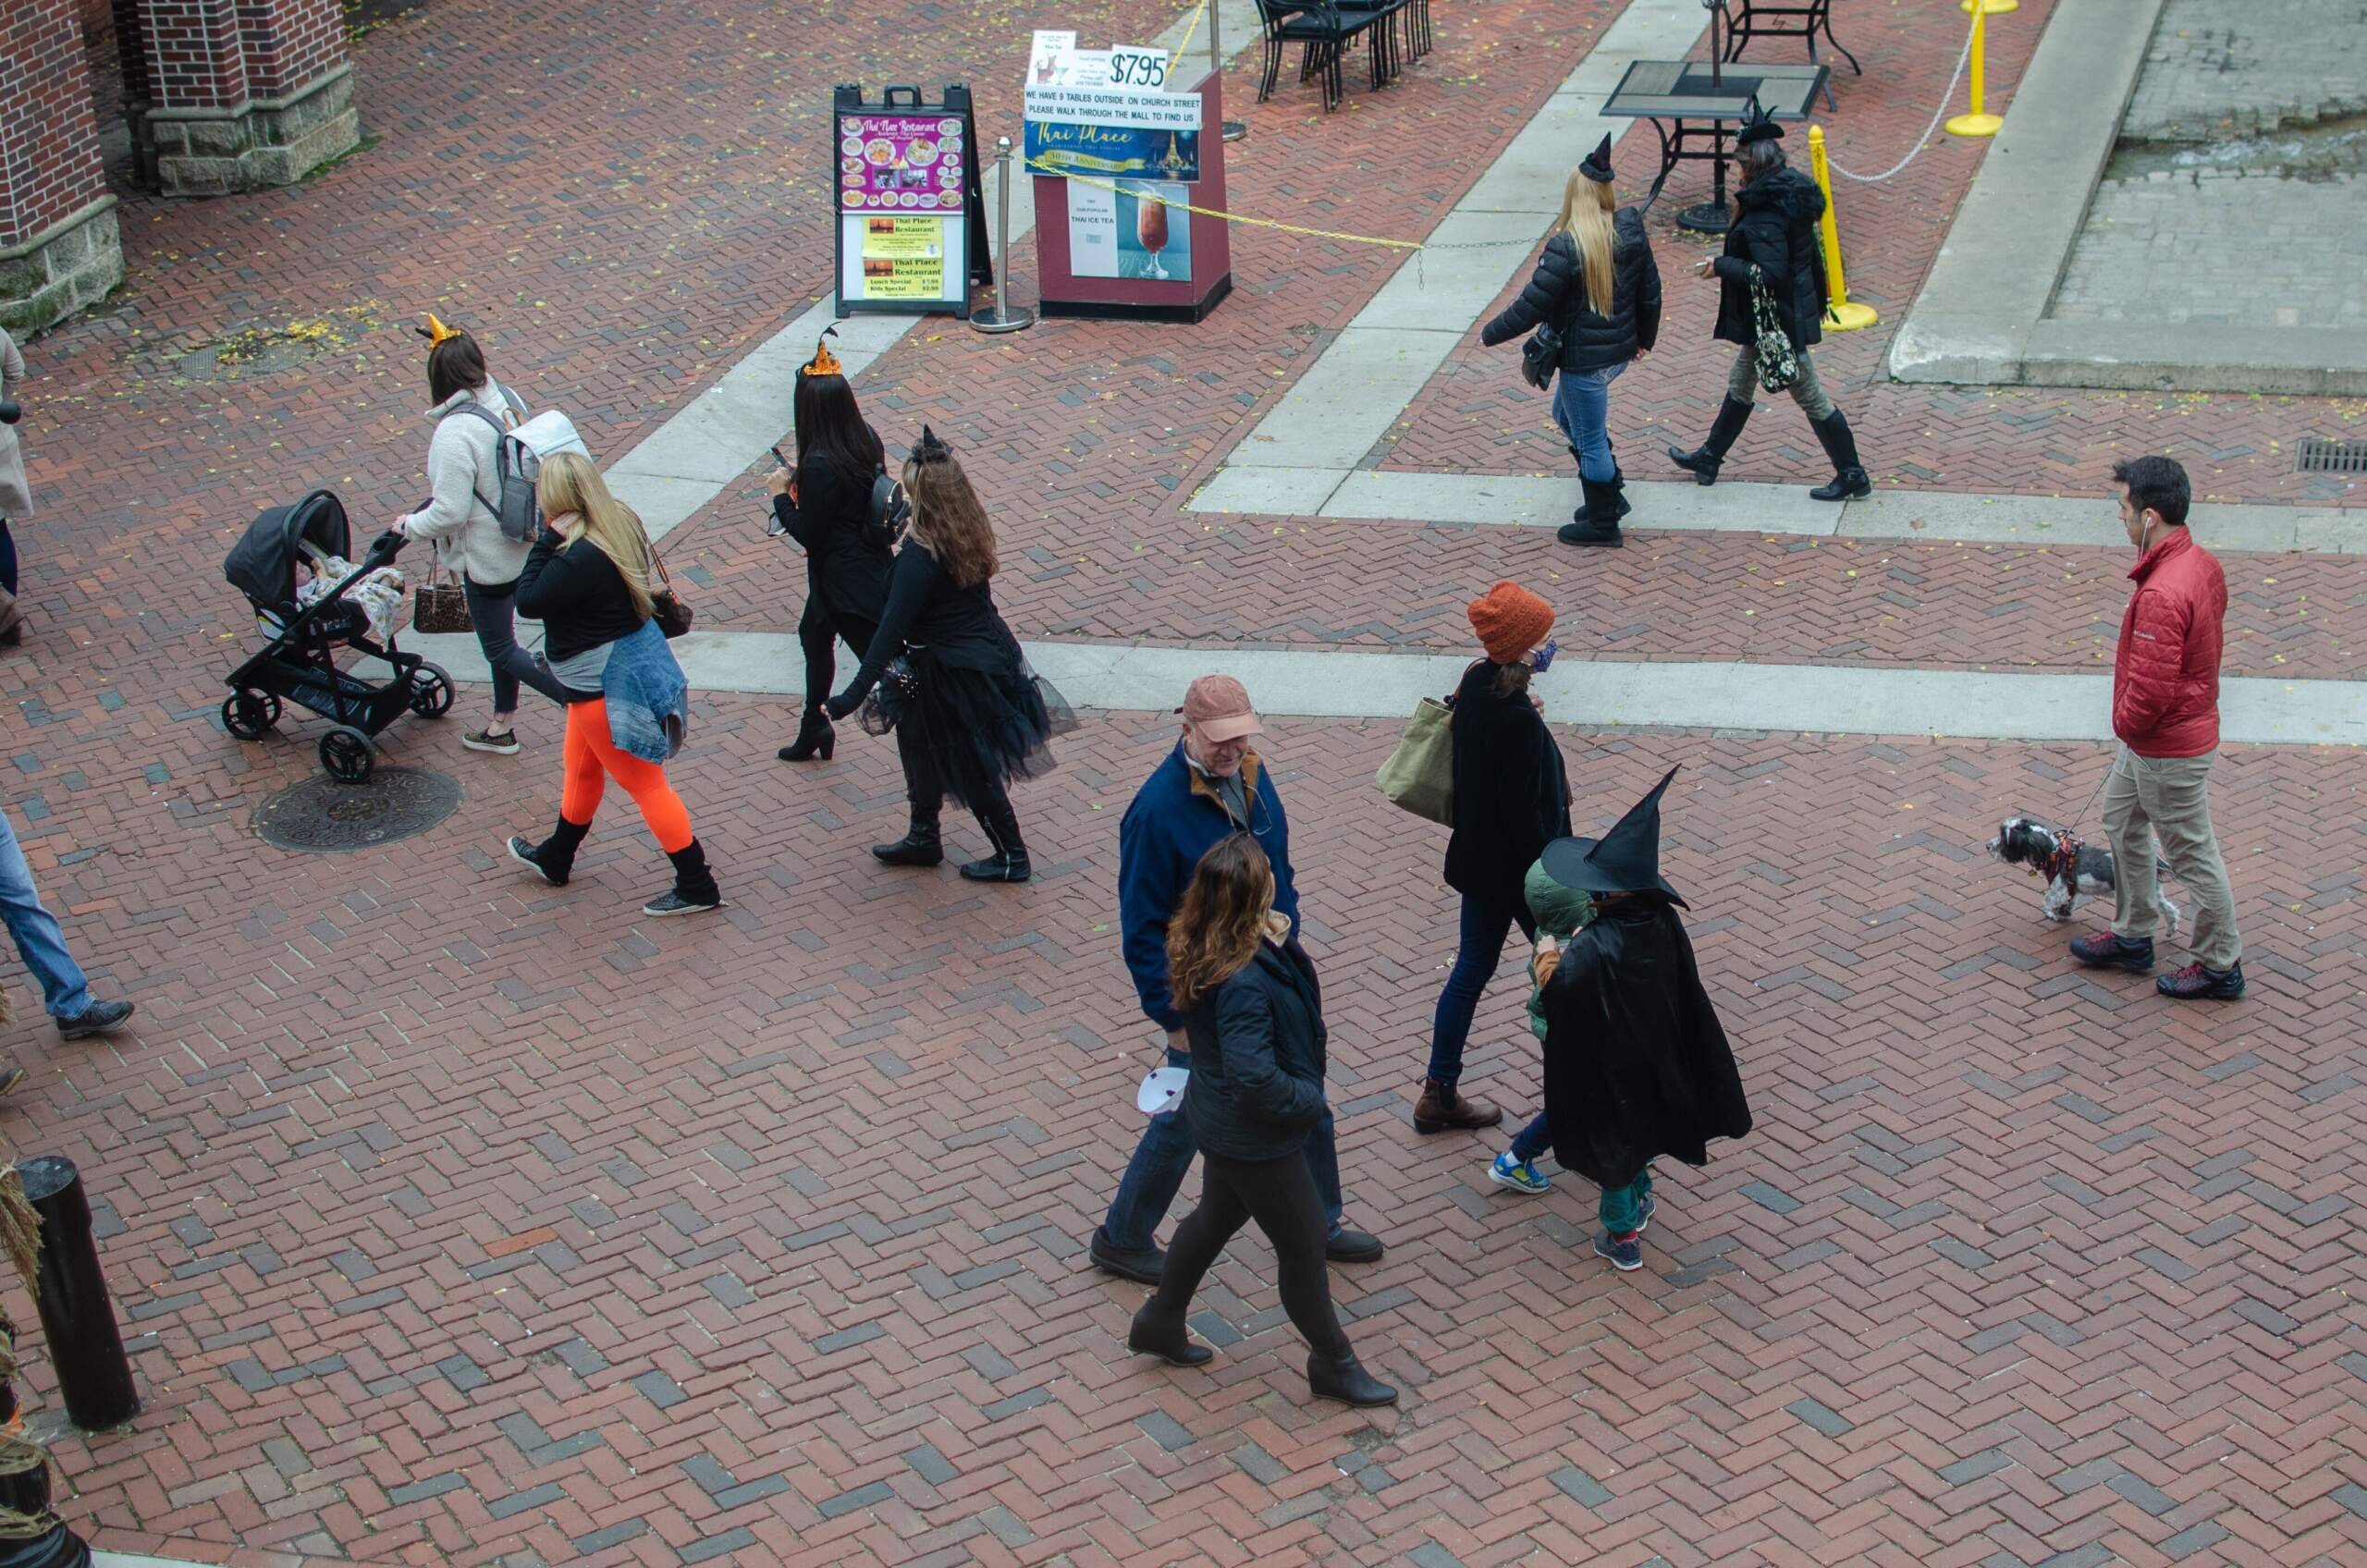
1598	285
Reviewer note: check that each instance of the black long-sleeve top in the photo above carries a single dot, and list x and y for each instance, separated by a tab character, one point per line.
847	560
958	626
578	594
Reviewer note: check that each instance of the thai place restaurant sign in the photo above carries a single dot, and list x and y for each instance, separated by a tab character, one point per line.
1109	132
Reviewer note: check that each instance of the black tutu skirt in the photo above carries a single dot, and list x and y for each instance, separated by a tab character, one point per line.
982	728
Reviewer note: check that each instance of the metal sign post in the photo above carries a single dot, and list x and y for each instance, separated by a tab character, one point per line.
1002	317
1232	130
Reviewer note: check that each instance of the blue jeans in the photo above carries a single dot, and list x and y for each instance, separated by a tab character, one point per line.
1582	407
495	610
1156	1174
63	989
1485	922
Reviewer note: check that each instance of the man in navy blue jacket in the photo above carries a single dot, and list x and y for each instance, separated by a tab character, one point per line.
1212	784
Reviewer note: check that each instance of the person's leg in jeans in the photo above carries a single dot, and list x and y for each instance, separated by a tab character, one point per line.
63	990
1481	947
1153	1177
1582	407
1533	1140
1323	1164
495	611
1808	392
2177	798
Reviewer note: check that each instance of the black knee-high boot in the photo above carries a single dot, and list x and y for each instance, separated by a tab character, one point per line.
693	890
1704	461
924	789
1009	862
553	859
1850	481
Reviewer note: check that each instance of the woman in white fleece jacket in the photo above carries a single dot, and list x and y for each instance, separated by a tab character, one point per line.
464	482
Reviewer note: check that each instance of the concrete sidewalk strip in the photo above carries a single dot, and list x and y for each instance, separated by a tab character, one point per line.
1529	501
1592	693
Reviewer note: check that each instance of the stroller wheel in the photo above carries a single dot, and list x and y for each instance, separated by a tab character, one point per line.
431	691
347	755
248	714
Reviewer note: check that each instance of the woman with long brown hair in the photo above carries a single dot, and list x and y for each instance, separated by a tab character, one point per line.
628	705
968	714
1599	286
1254	1015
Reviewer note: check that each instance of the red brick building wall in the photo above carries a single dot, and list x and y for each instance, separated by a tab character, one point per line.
288	42
50	165
195	59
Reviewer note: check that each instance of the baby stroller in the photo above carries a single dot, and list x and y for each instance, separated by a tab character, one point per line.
300	662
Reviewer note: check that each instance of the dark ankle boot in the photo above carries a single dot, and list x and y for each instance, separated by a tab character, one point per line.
1704	461
1619	488
693	891
1850	481
554	858
815	738
1343	1378
919	846
1443	1107
1597	522
1009	862
1163	1334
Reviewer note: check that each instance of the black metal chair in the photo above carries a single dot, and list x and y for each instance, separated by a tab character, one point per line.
1323	32
1396	34
1747	19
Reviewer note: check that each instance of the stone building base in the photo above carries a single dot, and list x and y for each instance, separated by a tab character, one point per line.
263	142
61	270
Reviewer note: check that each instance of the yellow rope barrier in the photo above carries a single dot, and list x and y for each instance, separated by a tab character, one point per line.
1037	167
1190	28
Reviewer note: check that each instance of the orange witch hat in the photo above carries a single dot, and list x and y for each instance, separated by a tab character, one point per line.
824	362
436	332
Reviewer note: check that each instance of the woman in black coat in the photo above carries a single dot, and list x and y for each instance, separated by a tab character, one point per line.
1774	233
1511	799
1254	1015
1598	285
826	504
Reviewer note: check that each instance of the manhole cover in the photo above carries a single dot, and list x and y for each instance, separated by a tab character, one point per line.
325	816
2318	456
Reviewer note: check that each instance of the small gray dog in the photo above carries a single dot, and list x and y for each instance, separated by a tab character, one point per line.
2072	870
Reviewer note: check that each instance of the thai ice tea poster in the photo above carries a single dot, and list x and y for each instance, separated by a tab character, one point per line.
1133	231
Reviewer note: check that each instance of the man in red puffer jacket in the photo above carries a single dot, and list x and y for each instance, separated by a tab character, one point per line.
2166	710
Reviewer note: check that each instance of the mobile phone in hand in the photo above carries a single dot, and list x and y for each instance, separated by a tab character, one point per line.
778	458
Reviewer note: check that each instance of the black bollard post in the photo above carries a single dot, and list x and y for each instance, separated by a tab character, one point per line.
31	1535
93	1374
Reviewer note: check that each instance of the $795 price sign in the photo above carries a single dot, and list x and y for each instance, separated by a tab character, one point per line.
1138	67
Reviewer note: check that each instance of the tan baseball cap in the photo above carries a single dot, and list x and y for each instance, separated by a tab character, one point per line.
1219	706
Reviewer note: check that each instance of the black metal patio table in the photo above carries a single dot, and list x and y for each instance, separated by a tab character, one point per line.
1697	105
1747	19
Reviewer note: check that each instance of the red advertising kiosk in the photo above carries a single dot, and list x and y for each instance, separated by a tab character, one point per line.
1106	244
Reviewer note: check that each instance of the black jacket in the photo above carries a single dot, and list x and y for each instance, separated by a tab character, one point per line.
847	560
578	594
958	626
1777	227
1511	794
1635	1063
1257	1085
1557	293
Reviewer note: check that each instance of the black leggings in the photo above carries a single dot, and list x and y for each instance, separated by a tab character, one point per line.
817	636
1279	1194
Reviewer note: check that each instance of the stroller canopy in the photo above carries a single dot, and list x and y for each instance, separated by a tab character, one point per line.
262	564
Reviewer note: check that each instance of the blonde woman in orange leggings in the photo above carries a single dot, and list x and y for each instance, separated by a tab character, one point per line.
587	581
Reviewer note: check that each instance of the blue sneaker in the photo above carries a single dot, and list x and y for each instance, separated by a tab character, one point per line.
1520	1175
1644	1212
1624	1253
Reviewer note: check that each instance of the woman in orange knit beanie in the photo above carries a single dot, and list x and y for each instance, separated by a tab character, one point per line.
1511	799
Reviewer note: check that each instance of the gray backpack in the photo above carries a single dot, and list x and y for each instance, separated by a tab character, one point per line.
516	467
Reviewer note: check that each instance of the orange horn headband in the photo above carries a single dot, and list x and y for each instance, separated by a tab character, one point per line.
824	362
436	333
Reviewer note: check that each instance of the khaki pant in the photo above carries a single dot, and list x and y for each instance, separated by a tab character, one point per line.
1742	384
2169	798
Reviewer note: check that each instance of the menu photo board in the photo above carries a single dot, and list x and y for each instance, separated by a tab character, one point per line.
911	226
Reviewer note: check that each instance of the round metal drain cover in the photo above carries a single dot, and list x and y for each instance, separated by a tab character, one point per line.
323	815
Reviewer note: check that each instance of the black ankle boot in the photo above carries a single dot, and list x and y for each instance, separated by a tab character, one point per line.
919	846
1597	522
1850	481
1704	461
1163	1334
1009	862
1343	1378
554	858
815	738
693	891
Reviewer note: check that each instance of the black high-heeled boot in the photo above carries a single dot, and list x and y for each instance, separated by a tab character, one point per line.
921	845
815	738
554	859
1850	482
693	891
1704	461
1343	1378
1163	1334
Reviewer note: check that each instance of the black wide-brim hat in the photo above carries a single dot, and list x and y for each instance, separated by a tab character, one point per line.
1625	860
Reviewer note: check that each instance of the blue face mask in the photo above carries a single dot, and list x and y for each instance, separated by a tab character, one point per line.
1543	660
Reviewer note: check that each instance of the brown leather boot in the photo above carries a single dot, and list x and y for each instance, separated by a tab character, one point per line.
1441	1108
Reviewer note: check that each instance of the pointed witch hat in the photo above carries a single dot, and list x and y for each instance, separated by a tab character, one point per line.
1597	166
436	332
1625	860
824	362
1759	124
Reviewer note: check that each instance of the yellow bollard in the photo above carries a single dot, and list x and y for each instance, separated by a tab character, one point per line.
1977	123
1990	8
1839	313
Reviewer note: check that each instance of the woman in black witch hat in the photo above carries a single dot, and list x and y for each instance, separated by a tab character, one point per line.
1635	1063
1774	234
969	714
830	504
1597	286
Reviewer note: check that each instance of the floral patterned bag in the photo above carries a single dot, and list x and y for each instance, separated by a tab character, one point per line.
1771	350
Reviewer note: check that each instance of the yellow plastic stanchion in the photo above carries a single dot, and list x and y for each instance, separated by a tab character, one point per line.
1839	313
1990	7
1977	123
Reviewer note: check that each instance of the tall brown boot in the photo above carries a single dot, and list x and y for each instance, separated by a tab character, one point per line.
1442	1106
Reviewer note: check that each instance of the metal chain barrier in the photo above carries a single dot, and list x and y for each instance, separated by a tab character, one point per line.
1937	114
